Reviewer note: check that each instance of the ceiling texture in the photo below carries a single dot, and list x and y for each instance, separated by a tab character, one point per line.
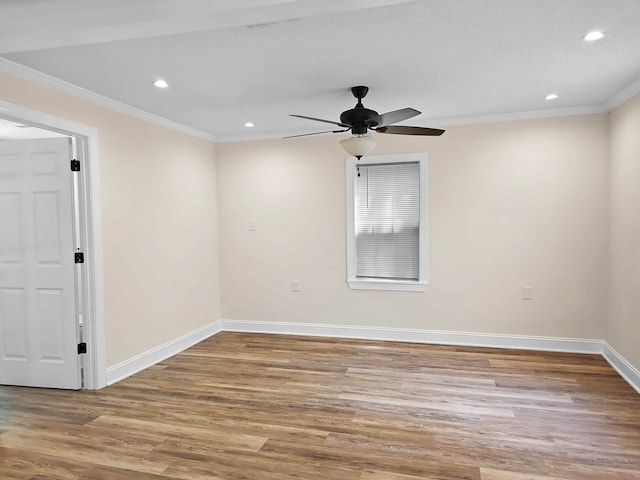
228	62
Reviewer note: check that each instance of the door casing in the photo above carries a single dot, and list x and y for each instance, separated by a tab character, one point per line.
92	287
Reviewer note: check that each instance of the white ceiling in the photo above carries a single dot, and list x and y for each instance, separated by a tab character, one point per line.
232	61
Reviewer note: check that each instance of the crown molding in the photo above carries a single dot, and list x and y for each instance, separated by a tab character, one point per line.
452	121
26	73
623	95
509	117
251	138
40	78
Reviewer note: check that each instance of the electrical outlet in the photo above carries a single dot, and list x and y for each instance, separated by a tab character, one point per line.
252	225
295	285
527	293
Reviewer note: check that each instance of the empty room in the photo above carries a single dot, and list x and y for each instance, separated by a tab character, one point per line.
320	240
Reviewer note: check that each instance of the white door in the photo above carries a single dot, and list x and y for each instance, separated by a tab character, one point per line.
38	327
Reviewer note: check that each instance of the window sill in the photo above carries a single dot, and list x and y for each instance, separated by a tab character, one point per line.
393	285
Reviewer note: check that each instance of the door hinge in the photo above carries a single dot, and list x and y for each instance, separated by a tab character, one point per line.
78	257
75	165
82	348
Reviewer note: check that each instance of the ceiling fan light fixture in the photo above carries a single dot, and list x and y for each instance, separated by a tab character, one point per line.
358	145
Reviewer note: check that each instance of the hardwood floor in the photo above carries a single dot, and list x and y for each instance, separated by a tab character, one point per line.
267	407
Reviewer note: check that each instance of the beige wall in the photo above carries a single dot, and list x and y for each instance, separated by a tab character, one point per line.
623	332
159	222
510	204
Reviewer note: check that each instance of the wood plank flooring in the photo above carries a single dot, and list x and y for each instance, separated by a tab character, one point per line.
267	407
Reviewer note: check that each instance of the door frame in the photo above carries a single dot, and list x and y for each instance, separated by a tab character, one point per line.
92	280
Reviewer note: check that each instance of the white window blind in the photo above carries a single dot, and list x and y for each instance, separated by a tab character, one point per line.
387	221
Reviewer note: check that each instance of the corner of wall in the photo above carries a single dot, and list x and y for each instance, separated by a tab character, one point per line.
623	312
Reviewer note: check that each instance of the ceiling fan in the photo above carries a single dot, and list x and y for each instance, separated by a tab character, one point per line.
360	120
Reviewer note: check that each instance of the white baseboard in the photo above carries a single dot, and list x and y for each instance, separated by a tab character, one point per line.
624	368
572	345
417	336
144	360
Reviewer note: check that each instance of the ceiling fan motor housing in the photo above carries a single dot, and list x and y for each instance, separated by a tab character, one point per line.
359	117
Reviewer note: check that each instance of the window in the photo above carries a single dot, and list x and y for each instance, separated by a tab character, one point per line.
387	222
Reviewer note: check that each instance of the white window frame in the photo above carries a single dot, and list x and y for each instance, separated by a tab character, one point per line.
356	283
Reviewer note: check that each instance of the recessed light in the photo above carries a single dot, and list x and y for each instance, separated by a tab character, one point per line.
161	84
551	96
593	36
249	124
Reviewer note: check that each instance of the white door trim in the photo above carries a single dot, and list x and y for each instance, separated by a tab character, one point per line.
90	230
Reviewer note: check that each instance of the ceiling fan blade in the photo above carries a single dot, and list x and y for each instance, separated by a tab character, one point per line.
315	133
396	116
401	130
322	120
